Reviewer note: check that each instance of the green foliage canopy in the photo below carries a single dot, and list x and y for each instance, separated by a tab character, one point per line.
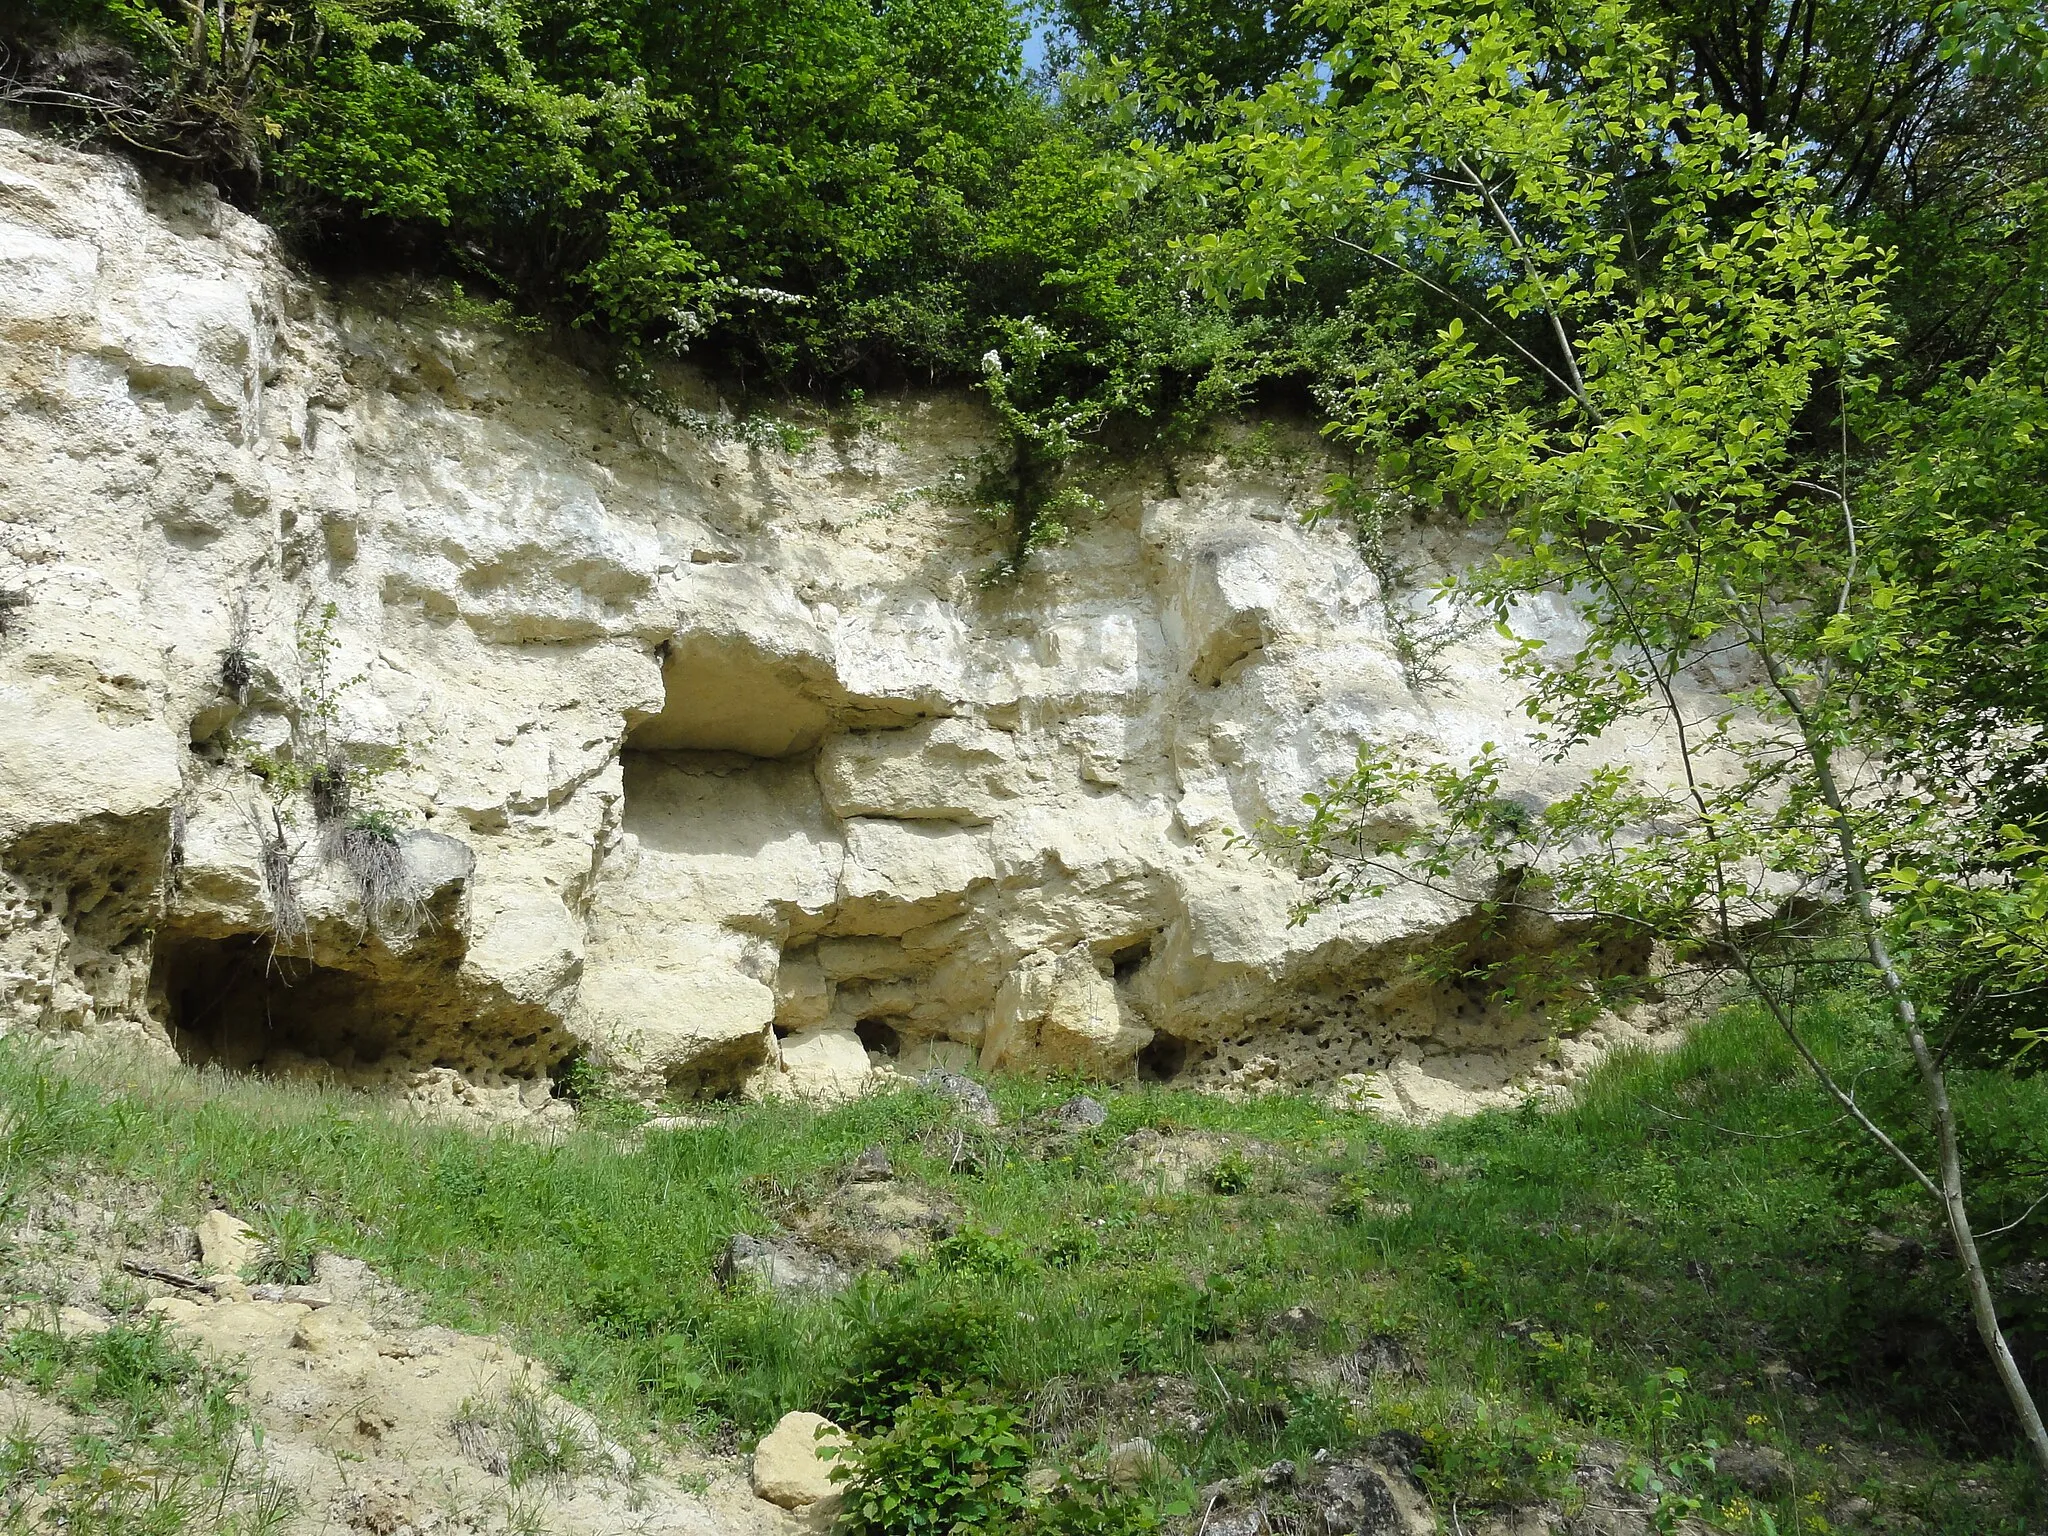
796	176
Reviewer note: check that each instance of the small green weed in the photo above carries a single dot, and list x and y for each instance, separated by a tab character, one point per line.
131	1370
290	1244
154	1450
908	1346
1232	1174
1354	1199
515	1435
974	1254
1084	1509
1495	1457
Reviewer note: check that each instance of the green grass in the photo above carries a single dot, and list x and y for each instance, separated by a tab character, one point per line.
151	1445
1678	1259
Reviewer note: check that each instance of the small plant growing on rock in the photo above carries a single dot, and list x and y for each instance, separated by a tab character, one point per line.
1354	1199
328	788
355	834
520	1437
237	669
12	601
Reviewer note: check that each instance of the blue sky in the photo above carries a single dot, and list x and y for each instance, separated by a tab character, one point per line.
1042	29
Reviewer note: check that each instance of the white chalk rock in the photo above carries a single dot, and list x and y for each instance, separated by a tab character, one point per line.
789	1469
683	739
227	1244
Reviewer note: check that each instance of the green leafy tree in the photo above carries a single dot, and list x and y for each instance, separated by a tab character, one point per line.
784	186
1664	384
1240	46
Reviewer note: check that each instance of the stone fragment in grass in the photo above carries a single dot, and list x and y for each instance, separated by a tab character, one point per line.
1132	1462
872	1166
227	1244
332	1330
1382	1355
1361	1497
172	1309
68	1322
1761	1470
1301	1321
782	1266
970	1100
1237	1522
1079	1113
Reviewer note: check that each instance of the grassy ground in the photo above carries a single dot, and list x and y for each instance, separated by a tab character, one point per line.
1694	1254
123	1433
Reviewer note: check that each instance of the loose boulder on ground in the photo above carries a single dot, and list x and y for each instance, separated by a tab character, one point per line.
778	1265
1079	1113
1365	1496
1761	1470
227	1244
1132	1462
792	1467
872	1166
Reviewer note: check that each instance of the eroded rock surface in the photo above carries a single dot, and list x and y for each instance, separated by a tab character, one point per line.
712	761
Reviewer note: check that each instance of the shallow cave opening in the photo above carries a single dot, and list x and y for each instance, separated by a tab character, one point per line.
234	1003
1163	1059
722	694
727	766
879	1035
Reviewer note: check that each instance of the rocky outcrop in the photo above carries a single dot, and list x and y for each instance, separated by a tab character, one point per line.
697	750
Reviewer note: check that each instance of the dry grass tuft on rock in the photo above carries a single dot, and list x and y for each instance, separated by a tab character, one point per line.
519	1435
236	673
368	854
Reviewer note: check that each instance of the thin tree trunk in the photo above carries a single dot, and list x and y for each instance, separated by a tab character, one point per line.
1983	1307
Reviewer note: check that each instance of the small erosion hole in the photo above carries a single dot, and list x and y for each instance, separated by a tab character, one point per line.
1125	962
879	1035
1164	1059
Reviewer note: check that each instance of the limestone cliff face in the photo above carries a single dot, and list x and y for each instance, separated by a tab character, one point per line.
714	760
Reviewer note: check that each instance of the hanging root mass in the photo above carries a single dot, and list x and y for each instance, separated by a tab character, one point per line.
287	917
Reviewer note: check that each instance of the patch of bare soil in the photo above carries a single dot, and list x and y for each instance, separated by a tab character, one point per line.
1169	1162
376	1424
